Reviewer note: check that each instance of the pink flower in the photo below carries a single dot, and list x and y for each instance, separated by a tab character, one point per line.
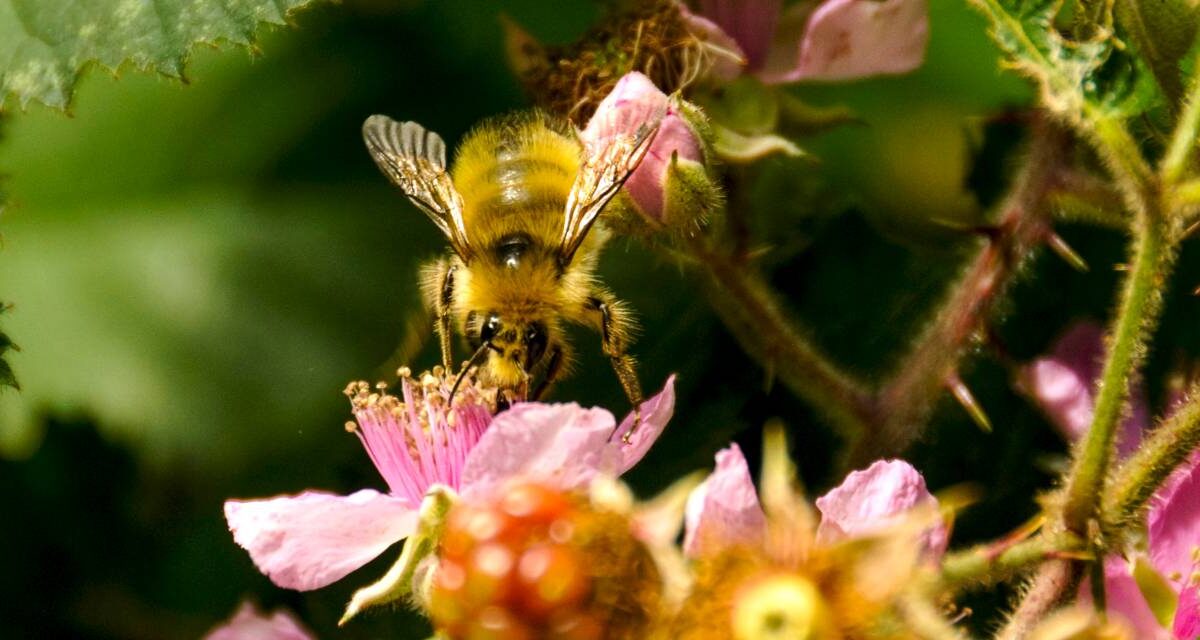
873	499
724	510
1063	384
314	538
632	102
838	40
250	624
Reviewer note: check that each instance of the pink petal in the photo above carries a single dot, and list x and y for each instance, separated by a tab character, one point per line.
1125	600
1063	385
563	444
250	624
656	413
724	510
1187	616
307	541
847	39
728	59
749	22
1174	524
633	102
870	500
647	183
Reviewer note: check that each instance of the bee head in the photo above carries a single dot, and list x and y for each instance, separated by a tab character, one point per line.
516	347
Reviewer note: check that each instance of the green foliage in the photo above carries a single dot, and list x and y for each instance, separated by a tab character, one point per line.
7	377
1078	79
45	44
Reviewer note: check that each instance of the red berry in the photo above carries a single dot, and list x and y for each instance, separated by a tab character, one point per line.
552	578
469	525
490	574
575	625
446	603
534	503
497	623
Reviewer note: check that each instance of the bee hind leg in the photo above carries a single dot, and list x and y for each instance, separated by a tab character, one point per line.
616	327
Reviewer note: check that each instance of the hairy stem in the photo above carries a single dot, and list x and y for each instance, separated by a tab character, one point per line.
1054	583
1145	471
1136	316
1084	197
985	564
906	399
1183	140
1185	198
1120	152
753	314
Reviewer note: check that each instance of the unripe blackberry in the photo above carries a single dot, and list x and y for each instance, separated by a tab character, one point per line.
537	563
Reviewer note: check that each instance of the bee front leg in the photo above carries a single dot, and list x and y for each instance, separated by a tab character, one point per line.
555	365
616	329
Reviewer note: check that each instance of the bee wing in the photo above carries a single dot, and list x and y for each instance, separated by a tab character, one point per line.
415	160
607	163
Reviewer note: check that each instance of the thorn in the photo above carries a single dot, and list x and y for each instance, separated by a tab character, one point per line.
1120	267
1196	291
968	402
1064	251
1189	231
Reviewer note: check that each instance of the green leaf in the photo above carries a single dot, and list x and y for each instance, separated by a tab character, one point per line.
45	44
1162	32
1078	79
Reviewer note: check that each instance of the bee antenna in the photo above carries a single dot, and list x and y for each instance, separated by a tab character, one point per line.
462	373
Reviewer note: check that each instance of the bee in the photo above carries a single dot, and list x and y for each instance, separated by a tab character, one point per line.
519	208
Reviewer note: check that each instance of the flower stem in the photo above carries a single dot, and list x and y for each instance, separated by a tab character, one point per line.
1136	317
1183	140
1160	454
1054	582
755	317
984	565
1185	197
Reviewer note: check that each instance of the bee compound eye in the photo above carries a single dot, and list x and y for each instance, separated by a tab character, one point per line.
490	327
535	343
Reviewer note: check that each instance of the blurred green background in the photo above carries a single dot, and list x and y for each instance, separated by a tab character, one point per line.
198	270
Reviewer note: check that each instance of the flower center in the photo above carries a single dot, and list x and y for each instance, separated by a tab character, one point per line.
421	437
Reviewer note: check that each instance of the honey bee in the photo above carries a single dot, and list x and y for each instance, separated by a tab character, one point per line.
518	207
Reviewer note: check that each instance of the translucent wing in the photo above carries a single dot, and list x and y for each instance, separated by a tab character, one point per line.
415	160
607	163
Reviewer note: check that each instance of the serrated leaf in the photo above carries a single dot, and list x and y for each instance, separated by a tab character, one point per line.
1075	77
45	44
7	377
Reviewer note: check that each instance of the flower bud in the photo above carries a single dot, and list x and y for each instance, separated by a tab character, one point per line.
671	189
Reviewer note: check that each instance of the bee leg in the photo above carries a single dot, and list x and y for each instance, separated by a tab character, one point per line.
445	295
554	369
615	328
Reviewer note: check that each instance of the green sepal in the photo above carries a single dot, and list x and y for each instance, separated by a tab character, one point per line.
737	148
1160	596
798	118
397	583
745	105
690	195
